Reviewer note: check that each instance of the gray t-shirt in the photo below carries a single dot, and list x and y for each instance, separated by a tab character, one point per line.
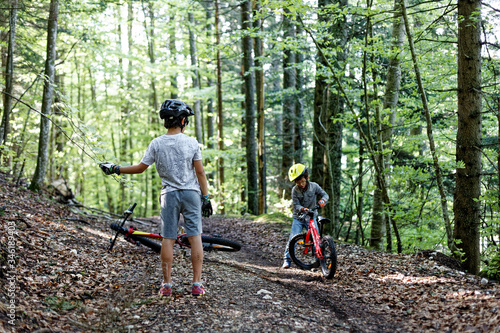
174	156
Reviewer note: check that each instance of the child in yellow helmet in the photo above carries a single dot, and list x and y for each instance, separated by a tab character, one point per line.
304	196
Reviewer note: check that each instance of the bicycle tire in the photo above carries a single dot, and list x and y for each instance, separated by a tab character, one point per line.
147	242
140	239
329	262
211	243
297	249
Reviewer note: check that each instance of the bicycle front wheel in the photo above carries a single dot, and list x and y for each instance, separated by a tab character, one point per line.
211	243
329	261
140	239
302	252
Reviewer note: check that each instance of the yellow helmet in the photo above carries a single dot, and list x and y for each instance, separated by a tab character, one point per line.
296	171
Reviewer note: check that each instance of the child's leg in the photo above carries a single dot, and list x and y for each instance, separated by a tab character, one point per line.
169	218
196	256
297	227
191	210
167	259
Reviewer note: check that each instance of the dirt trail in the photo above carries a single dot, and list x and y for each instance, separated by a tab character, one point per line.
66	281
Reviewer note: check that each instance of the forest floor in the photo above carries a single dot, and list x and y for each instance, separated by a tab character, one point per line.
65	280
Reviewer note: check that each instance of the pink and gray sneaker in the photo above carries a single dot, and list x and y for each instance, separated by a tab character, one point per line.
197	290
166	289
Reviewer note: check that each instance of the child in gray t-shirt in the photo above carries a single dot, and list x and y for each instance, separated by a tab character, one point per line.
178	162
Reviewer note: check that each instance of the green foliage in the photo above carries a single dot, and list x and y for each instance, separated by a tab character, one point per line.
105	103
492	269
60	303
273	218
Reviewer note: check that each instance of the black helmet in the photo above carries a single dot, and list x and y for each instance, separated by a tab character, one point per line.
173	108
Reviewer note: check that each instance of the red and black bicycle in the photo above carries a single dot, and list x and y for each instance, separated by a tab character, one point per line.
134	236
310	249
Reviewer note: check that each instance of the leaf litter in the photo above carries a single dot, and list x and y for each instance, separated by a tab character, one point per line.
67	281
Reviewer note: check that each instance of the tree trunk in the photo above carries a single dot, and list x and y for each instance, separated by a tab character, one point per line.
437	168
466	205
196	79
249	82
298	139
173	79
261	140
360	237
155	123
289	84
48	90
220	126
210	139
390	102
366	139
9	72
329	107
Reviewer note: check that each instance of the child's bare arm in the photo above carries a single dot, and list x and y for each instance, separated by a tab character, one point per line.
202	178
133	169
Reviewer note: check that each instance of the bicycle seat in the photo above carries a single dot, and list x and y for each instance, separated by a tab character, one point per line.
323	220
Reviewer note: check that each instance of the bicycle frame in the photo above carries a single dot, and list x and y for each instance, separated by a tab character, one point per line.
135	232
314	232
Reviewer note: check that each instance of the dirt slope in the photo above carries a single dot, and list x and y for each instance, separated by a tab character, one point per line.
66	281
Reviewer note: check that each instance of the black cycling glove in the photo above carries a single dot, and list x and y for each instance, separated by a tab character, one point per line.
206	206
110	168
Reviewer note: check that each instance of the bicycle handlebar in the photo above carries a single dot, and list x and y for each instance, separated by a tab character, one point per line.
310	212
130	210
126	215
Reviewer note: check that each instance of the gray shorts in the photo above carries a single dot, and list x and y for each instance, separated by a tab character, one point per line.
185	202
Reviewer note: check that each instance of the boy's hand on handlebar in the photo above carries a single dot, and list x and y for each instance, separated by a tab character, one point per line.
110	168
304	209
322	203
206	206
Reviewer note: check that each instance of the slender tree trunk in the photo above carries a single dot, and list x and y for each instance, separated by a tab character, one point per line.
210	139
249	81
261	140
332	110
289	84
437	168
59	138
359	202
173	79
210	108
219	109
196	79
48	90
466	205
319	118
385	126
149	12
298	139
9	73
367	139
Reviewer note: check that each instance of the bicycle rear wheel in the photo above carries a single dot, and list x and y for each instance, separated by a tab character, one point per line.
211	243
302	252
329	261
